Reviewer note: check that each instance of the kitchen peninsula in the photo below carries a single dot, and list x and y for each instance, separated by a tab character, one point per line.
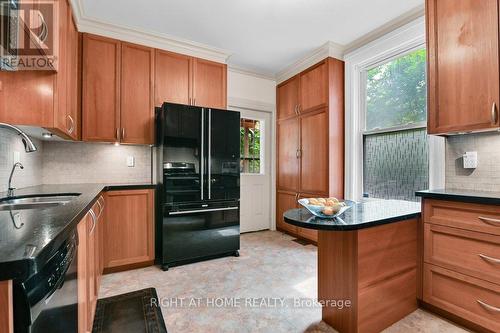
367	255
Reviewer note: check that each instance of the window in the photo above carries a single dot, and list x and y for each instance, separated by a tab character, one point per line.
395	142
250	146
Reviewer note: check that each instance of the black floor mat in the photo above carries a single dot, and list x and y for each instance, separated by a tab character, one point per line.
133	312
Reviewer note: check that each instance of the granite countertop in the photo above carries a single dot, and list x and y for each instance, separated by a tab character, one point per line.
29	237
360	216
482	197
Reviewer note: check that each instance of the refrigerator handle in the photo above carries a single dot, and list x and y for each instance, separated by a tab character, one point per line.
202	155
209	154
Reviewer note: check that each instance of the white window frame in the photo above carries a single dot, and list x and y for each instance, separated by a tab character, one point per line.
392	45
262	124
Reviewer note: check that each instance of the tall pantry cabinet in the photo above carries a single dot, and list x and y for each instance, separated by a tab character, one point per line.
310	139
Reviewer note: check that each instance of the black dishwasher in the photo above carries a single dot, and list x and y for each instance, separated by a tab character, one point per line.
48	301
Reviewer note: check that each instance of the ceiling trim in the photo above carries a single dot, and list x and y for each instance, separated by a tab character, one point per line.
329	49
145	37
250	72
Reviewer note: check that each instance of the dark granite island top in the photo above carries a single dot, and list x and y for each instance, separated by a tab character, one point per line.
28	238
360	216
481	197
368	257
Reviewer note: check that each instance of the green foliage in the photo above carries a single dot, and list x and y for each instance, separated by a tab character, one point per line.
396	92
250	161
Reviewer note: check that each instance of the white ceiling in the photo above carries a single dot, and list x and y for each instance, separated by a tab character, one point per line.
263	35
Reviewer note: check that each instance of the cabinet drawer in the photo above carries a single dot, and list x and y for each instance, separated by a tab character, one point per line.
475	217
468	252
309	234
464	296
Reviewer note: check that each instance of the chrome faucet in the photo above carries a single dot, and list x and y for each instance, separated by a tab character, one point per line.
10	192
29	146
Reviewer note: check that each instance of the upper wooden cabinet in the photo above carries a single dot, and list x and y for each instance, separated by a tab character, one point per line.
46	98
463	65
314	88
101	89
137	93
117	91
288	98
188	80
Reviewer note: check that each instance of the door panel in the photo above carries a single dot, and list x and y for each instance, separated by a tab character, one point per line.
463	59
288	161
310	234
209	84
137	111
101	88
314	147
314	88
172	78
288	98
284	202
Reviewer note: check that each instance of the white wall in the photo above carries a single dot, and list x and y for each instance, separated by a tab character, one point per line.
244	89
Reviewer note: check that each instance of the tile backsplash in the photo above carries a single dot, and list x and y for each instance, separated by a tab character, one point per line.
78	162
486	177
31	174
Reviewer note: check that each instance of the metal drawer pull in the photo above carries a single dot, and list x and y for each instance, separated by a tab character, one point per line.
490	259
488	307
491	221
94	220
494	113
72	127
202	211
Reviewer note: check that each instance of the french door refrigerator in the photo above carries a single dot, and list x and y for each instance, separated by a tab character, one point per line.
198	173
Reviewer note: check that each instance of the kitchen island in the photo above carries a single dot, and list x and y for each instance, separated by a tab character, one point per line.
367	261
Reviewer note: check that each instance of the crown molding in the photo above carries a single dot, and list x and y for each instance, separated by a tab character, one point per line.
145	37
250	72
329	49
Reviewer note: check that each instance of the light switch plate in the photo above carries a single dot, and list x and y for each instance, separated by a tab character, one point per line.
130	161
470	160
17	157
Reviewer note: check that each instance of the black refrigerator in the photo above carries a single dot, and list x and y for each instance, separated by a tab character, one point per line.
198	172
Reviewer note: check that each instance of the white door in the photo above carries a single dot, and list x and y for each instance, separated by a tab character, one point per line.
255	203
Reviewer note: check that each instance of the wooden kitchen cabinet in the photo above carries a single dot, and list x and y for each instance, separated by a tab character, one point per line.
7	306
310	136
48	99
188	80
128	231
101	89
284	202
137	116
463	65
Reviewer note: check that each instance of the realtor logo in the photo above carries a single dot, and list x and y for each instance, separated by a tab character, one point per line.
28	39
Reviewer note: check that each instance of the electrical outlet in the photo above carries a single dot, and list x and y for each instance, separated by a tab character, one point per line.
470	160
130	161
17	157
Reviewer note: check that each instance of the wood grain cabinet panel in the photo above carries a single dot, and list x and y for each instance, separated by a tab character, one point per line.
101	89
285	201
314	88
172	78
288	155
7	307
463	62
464	296
128	231
209	84
314	153
309	234
288	98
137	91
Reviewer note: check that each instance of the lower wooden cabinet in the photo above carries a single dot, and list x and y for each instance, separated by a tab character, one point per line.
129	229
286	201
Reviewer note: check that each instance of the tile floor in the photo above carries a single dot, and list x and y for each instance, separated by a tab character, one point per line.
271	269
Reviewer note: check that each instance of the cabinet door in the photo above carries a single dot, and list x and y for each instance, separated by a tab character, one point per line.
284	202
128	232
288	98
209	84
137	110
82	274
314	153
314	88
91	270
463	61
172	78
74	78
309	234
288	154
101	89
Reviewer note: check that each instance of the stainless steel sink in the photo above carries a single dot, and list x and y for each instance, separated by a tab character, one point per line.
36	202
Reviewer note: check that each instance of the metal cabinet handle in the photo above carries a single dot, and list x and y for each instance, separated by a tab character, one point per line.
118	134
490	221
123	133
298	109
194	101
101	207
94	220
44	33
72	126
202	167
184	212
489	259
209	154
494	113
295	110
488	307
